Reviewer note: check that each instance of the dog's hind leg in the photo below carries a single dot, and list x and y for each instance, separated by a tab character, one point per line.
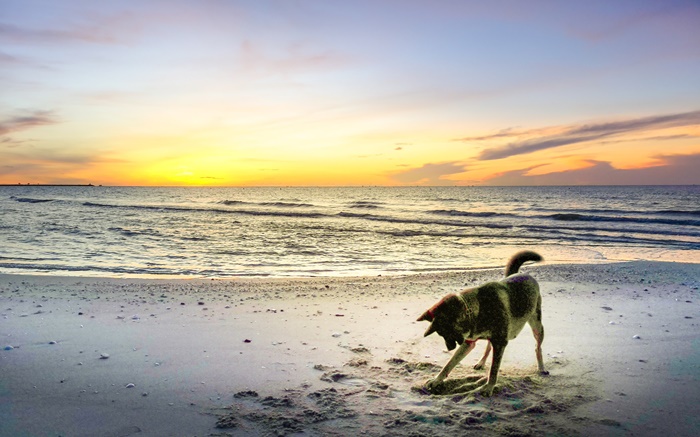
482	361
458	356
538	332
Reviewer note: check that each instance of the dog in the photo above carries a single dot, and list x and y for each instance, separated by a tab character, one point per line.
497	312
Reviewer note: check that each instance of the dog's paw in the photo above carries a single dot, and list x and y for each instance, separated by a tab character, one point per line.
485	391
544	372
479	366
432	384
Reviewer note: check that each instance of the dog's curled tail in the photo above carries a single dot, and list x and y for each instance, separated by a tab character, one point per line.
519	259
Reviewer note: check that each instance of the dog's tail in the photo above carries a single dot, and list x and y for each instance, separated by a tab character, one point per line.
519	259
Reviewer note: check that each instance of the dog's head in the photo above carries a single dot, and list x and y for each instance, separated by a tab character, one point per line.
445	317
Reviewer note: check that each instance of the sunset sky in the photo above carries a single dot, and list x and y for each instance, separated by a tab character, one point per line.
334	92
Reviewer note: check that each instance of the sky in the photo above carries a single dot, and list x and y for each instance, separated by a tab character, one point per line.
335	92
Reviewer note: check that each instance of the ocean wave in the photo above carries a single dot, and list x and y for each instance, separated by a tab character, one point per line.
573	217
287	204
548	235
388	219
279	204
457	213
617	212
365	204
118	270
252	212
140	232
232	202
30	200
680	212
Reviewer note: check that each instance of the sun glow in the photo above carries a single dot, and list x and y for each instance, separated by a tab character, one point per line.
185	98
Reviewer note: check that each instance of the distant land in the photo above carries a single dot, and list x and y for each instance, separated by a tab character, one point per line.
46	185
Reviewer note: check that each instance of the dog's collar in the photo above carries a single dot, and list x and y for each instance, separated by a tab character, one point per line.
467	309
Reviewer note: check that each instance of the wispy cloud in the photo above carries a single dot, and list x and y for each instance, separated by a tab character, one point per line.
579	134
667	170
17	34
22	122
503	133
429	174
290	59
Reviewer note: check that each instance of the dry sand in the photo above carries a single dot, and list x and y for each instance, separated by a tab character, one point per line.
113	357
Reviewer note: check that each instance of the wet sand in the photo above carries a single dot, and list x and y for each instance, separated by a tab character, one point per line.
343	356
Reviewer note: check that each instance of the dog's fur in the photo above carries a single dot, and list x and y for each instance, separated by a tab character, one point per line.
497	312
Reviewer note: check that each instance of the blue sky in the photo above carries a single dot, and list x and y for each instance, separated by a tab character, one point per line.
345	93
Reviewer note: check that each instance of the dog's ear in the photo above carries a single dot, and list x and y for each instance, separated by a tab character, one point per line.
428	315
430	330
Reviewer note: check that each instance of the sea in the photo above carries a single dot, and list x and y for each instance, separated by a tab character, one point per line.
148	232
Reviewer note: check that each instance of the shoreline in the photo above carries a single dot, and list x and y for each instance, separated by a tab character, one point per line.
345	350
96	275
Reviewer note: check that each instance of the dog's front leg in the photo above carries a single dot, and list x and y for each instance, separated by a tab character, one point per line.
466	347
498	349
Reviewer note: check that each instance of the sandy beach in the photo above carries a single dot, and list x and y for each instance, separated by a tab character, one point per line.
343	356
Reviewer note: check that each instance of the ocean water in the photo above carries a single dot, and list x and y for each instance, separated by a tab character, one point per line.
280	232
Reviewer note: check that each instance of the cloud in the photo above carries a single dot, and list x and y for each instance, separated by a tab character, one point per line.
290	59
16	34
429	174
6	59
22	122
579	134
503	133
668	170
11	142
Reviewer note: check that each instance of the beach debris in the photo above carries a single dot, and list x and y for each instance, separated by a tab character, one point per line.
357	362
246	394
130	385
135	317
636	337
333	376
336	334
200	303
247	340
8	347
53	342
104	356
607	308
